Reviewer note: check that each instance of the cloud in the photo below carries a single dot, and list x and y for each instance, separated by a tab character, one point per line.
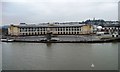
60	0
57	10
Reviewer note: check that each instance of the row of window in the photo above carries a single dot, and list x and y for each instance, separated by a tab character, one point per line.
45	29
112	28
45	33
68	29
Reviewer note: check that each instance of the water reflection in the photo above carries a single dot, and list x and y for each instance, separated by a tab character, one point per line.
0	56
48	45
60	56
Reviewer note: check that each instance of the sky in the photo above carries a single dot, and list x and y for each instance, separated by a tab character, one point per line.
38	11
119	11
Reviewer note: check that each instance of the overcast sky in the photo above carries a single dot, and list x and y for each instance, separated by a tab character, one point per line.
37	11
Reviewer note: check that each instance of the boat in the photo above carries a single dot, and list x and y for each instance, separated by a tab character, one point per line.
7	40
3	39
10	40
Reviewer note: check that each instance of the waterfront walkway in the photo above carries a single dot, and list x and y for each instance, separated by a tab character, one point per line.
59	37
64	39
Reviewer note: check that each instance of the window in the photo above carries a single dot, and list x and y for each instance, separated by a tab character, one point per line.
64	32
61	29
43	29
56	29
20	29
37	29
69	28
66	29
72	29
77	29
26	30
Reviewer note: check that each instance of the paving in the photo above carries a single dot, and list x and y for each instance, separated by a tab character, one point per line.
59	37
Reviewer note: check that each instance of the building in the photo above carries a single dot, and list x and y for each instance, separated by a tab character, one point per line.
112	29
95	22
101	22
61	29
111	22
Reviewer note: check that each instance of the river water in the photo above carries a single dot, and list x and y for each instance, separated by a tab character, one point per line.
59	56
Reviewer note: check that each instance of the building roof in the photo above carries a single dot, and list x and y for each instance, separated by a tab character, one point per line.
118	25
49	25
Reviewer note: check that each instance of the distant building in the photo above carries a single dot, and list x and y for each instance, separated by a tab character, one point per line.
112	29
95	22
61	29
101	22
111	22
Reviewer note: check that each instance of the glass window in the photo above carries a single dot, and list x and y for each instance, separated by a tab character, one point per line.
66	29
61	29
72	29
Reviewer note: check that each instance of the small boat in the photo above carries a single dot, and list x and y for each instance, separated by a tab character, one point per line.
7	40
3	39
55	39
10	40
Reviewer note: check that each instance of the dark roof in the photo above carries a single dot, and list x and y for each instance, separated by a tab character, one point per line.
47	25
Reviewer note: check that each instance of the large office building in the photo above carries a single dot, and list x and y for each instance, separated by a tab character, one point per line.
55	29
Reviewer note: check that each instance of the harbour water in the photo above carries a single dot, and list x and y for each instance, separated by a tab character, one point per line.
0	56
59	56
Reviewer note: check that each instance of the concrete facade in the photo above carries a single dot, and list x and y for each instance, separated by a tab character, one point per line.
87	29
42	30
111	29
13	30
